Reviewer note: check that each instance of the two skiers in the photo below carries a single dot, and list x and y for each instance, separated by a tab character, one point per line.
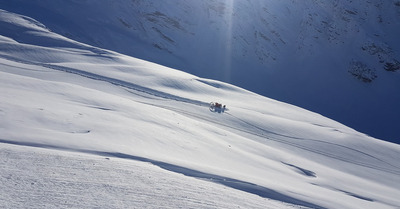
217	107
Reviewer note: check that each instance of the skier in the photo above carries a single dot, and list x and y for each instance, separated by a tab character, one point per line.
217	107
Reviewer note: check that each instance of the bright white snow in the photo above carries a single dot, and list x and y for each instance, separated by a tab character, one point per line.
314	54
38	178
120	117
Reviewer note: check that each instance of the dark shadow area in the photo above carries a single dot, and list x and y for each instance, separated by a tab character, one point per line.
357	196
302	170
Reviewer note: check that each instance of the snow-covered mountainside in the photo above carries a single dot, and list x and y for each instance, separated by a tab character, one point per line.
86	127
338	58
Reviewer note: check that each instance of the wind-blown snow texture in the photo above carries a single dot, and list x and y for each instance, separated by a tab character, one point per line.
331	57
86	127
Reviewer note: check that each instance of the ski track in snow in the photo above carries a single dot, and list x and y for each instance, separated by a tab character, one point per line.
280	45
150	95
235	184
395	170
113	81
266	134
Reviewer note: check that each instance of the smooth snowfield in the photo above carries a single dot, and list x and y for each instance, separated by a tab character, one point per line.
62	95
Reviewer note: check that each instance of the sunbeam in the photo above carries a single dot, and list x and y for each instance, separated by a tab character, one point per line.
229	20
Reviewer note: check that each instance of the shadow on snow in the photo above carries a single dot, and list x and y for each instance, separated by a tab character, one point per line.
229	182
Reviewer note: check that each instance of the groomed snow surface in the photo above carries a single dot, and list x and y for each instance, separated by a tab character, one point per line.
83	127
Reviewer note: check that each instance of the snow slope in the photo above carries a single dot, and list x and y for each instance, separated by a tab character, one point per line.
325	56
93	124
37	178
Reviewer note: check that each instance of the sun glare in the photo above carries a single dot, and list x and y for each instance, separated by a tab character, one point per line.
229	18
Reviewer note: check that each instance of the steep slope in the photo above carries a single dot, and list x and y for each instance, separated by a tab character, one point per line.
338	58
60	94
